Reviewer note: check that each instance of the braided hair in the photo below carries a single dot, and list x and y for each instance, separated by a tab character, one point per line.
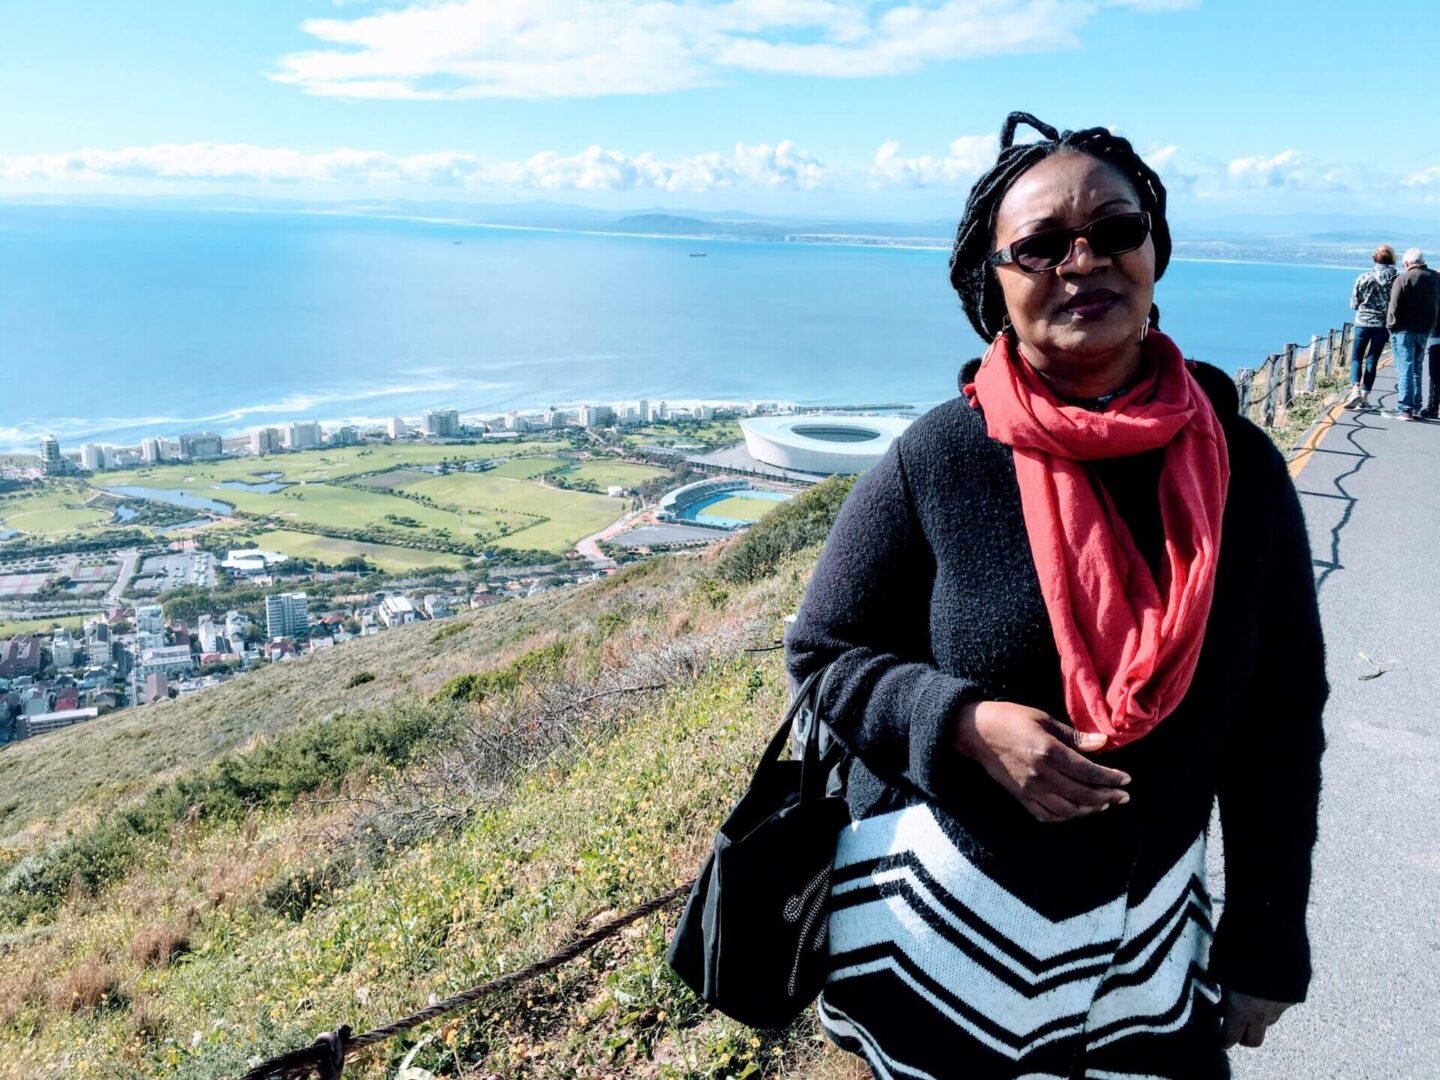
971	274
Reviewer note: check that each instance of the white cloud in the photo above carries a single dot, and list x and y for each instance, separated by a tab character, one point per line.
459	49
969	156
779	166
1287	169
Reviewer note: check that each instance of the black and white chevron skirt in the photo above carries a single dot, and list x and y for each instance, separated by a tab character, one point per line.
938	971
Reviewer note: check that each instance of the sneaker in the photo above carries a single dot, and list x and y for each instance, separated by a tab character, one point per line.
1396	414
1355	398
1429	414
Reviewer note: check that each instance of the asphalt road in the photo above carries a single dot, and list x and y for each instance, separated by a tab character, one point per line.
1371	494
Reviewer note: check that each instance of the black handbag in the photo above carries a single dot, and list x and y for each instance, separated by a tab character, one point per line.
751	941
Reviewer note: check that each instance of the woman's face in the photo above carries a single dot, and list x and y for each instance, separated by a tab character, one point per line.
1091	309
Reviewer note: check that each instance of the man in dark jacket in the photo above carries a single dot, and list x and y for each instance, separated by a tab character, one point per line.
1414	311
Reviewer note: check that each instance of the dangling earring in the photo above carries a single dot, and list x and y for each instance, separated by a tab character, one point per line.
1145	329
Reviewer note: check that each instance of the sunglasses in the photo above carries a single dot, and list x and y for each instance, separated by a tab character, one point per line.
1041	251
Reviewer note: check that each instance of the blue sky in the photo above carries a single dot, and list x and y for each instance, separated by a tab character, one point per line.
853	107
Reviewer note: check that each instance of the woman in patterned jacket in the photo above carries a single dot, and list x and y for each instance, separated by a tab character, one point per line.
1068	609
1370	298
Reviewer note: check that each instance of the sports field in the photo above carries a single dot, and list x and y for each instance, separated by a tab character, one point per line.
573	514
327	549
56	508
746	508
613	473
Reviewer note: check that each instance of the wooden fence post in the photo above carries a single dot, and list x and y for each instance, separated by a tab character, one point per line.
1331	360
1312	369
1287	385
1267	412
1244	378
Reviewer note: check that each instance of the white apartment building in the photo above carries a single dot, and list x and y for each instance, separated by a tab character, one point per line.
396	610
396	428
266	440
304	435
152	451
440	422
209	634
167	660
94	457
62	648
150	619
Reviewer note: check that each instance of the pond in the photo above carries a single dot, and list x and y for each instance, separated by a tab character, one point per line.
267	488
126	513
193	523
174	497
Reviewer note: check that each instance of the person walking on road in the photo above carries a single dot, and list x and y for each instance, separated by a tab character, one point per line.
1432	393
1414	310
1371	300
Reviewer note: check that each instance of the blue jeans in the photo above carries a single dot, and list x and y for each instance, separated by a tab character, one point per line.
1409	352
1366	345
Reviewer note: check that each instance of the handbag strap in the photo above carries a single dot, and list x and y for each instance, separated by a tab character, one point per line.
811	777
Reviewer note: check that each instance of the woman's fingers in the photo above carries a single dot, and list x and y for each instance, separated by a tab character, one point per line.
1083	796
1069	759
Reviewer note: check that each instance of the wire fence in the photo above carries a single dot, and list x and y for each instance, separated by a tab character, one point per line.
1266	392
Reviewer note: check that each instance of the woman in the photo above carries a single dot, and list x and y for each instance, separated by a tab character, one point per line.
1371	300
1067	610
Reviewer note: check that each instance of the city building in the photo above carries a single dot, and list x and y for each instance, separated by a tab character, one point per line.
642	411
236	625
157	688
440	422
705	412
554	418
40	723
251	562
19	656
396	428
208	633
152	451
396	610
62	648
345	435
436	607
266	441
94	457
200	445
150	619
97	638
287	615
303	435
52	462
168	660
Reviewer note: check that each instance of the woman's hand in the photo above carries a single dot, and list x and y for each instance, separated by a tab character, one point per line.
1039	760
1243	1019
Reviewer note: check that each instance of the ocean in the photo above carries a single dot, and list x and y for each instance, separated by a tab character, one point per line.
119	323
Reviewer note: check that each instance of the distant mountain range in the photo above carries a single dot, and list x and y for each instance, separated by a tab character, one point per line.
1307	238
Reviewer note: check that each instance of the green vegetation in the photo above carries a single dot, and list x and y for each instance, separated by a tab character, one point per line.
710	434
568	515
20	627
526	468
56	508
496	823
604	473
792	527
332	551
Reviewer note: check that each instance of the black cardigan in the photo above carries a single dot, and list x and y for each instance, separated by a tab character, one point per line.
926	598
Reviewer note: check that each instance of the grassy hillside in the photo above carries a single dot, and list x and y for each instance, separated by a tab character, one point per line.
329	848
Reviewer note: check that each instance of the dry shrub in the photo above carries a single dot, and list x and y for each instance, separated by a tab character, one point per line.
680	624
148	1024
230	877
92	984
159	943
18	988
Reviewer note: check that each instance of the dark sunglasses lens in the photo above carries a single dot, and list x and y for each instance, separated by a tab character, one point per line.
1115	235
1043	250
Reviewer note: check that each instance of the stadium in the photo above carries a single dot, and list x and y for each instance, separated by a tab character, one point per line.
824	444
718	504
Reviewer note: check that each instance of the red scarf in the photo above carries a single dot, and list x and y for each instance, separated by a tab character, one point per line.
1128	645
